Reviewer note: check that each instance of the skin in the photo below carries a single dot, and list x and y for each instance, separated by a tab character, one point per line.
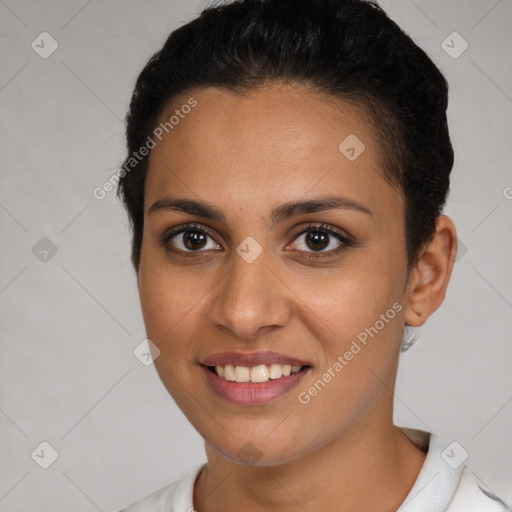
247	155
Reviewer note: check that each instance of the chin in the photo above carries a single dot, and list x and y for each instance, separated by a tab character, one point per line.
256	452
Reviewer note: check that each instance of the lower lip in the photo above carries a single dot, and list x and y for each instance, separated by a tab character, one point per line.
253	393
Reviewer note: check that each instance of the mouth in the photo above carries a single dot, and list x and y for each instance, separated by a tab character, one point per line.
253	378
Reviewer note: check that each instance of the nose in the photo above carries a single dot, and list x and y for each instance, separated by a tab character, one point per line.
250	299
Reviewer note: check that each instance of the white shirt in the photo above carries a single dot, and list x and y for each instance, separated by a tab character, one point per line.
442	485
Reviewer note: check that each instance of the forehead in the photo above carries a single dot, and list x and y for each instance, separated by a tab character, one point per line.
274	142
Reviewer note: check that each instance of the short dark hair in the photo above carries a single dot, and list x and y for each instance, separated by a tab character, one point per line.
349	49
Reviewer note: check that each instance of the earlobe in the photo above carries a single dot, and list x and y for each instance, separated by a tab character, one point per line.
430	277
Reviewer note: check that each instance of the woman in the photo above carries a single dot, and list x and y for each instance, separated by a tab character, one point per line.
288	165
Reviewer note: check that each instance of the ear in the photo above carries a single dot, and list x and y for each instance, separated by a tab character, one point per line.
429	278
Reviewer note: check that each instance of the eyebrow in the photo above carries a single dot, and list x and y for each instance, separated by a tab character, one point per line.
278	214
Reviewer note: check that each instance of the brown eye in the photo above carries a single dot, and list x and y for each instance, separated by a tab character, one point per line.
321	239
317	240
194	240
188	239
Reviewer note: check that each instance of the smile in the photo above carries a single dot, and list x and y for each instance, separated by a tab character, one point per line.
260	373
253	378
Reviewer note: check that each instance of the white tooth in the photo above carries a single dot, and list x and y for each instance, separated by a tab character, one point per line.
259	373
276	371
295	369
242	374
229	372
287	369
220	371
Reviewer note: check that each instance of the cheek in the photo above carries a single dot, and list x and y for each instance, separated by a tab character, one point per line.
170	307
356	315
170	301
358	327
343	302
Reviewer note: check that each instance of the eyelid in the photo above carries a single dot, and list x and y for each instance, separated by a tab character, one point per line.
329	229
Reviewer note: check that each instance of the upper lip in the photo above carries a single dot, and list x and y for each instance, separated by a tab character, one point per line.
251	359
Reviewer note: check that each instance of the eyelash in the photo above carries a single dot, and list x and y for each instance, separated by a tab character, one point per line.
315	227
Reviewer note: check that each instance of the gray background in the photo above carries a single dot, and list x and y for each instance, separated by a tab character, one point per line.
70	323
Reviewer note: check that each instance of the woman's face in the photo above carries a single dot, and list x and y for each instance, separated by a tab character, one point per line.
250	284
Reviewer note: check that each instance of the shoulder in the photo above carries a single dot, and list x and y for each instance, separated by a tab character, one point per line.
444	483
175	497
471	496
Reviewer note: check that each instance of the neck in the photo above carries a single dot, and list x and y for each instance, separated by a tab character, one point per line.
371	467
